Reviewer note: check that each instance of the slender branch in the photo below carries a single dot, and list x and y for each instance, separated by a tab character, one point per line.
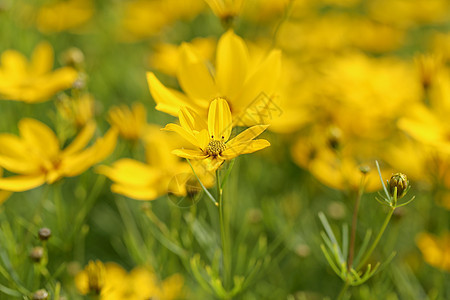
377	239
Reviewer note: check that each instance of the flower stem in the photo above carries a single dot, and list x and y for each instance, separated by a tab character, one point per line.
377	239
226	253
343	291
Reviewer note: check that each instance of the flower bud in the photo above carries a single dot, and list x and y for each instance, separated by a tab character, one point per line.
399	181
40	295
36	254
44	233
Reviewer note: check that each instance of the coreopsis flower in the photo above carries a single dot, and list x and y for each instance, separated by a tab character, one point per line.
77	111
110	281
435	249
64	15
162	173
131	123
210	141
234	79
32	81
36	156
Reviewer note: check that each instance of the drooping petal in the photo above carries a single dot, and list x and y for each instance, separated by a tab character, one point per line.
244	148
184	133
219	120
21	183
231	64
81	140
42	59
190	154
19	165
39	137
194	76
247	135
167	100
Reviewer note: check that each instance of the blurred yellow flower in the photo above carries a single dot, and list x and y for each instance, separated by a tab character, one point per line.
34	81
78	111
435	249
36	155
233	80
226	10
131	123
145	18
166	57
63	15
111	282
210	141
162	173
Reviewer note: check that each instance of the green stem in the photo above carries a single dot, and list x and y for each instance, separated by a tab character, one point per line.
226	253
377	239
343	291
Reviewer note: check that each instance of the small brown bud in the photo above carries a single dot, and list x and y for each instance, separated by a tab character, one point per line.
44	233
399	181
40	295
36	254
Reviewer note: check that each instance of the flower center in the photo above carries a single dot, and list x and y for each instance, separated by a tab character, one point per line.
215	147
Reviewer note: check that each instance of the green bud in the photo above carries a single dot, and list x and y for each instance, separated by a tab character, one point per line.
40	295
44	233
37	253
399	181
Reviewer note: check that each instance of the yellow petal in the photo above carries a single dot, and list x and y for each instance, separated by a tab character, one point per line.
231	64
22	182
130	172
40	137
264	80
219	120
19	165
42	59
189	119
167	100
190	154
138	193
184	133
203	139
13	63
247	135
81	140
244	148
194	76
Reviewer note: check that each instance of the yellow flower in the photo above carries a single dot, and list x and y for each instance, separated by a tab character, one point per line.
234	80
161	174
34	81
210	141
435	250
111	282
64	15
131	124
36	155
78	111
